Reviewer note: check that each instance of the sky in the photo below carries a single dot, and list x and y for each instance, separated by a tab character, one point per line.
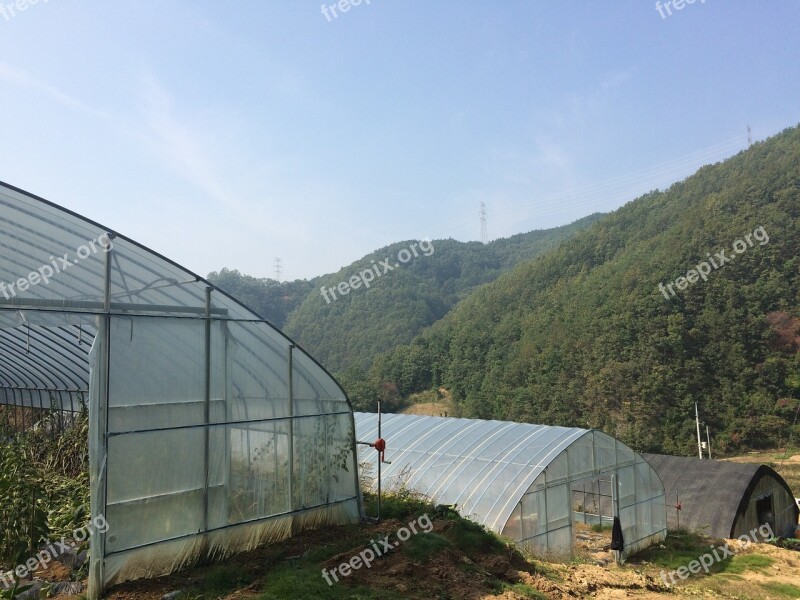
228	134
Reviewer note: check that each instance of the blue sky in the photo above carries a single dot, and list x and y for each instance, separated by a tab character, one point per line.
228	134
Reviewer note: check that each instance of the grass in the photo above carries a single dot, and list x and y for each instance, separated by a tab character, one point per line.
301	576
782	590
219	581
681	548
525	590
420	548
747	562
401	505
307	582
472	538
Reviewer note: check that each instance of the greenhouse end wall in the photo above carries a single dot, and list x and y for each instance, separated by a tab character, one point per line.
221	436
543	520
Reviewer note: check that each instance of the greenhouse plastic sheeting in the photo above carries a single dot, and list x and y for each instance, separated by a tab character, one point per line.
210	431
517	479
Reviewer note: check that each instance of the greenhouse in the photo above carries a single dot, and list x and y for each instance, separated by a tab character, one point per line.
529	483
725	499
210	431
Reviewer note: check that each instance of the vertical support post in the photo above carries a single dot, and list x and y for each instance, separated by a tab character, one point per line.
225	368
290	412
708	441
379	462
599	501
207	410
697	420
98	431
615	505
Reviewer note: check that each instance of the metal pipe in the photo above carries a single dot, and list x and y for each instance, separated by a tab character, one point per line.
697	420
207	408
290	394
379	463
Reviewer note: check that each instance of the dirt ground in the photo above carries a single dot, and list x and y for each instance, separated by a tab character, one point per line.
593	574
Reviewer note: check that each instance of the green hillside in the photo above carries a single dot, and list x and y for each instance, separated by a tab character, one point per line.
583	336
271	299
346	332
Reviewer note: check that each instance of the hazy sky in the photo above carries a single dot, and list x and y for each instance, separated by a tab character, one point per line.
230	133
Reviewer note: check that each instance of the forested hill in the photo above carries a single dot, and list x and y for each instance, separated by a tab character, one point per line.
346	332
271	299
583	335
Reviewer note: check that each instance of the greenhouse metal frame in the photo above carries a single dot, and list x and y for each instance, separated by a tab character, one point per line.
526	482
211	432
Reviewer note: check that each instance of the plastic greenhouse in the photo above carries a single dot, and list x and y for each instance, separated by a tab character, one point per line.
210	431
529	483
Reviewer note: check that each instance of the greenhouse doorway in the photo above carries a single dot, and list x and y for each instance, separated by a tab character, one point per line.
765	511
593	501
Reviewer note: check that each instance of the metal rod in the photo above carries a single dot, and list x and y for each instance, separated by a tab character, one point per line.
697	420
207	408
379	463
290	408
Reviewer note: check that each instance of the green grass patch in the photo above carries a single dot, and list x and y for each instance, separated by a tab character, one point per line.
401	505
747	562
342	543
425	545
308	583
789	453
782	590
528	591
223	579
471	538
681	548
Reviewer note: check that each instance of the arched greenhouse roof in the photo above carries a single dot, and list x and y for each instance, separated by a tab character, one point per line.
483	467
61	255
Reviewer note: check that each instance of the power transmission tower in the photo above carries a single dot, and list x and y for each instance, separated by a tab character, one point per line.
749	137
278	269
484	233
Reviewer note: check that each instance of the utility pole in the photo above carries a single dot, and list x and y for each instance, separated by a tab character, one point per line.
699	442
484	232
278	269
749	137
